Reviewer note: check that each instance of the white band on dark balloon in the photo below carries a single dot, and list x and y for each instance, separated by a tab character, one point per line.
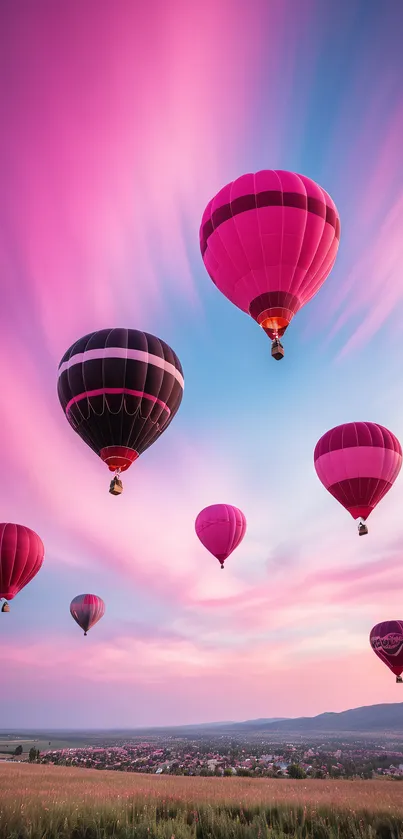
123	352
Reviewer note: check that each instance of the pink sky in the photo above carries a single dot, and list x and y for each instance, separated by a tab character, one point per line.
116	131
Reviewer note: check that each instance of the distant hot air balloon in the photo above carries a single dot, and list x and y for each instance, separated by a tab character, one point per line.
221	528
268	241
87	610
386	640
21	556
357	463
120	389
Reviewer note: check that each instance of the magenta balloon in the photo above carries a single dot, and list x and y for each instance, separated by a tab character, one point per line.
268	241
357	463
221	528
87	610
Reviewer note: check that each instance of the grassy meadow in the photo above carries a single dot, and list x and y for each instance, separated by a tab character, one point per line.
51	802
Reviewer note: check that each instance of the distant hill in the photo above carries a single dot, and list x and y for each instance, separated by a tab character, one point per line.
387	717
370	718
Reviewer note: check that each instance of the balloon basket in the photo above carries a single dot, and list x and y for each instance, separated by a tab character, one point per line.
399	680
5	607
362	529
116	487
277	350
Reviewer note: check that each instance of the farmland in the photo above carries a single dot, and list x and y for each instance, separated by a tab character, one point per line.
48	801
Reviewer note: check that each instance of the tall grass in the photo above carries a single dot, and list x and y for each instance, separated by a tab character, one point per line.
42	805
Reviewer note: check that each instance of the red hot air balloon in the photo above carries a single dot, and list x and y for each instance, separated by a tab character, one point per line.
221	528
87	610
386	640
120	389
268	241
21	556
357	463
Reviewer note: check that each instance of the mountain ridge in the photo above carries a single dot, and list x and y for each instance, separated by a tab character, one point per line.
381	717
387	717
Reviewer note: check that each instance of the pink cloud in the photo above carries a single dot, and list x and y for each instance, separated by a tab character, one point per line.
378	270
366	285
197	684
108	151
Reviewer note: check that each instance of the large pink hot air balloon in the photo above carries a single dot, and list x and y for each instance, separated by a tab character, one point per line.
221	528
21	556
357	463
87	610
268	241
386	640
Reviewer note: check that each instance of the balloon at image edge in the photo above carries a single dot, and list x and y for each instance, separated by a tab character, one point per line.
87	610
21	557
119	390
358	462
386	640
220	528
268	241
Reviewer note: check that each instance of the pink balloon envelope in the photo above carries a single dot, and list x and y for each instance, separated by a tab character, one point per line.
268	241
358	463
21	557
221	528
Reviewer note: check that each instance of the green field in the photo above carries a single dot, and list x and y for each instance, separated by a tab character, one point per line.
51	802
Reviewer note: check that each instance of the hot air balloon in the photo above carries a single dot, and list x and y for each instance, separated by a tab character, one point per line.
357	463
268	241
386	640
221	528
87	610
120	389
21	556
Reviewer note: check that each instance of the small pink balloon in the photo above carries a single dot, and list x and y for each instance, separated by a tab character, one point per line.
87	610
221	528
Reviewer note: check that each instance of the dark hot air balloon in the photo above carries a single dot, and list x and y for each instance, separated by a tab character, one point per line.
357	463
21	556
87	610
386	640
268	241
120	389
221	528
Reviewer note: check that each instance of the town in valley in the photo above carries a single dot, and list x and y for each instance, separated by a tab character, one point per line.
217	755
